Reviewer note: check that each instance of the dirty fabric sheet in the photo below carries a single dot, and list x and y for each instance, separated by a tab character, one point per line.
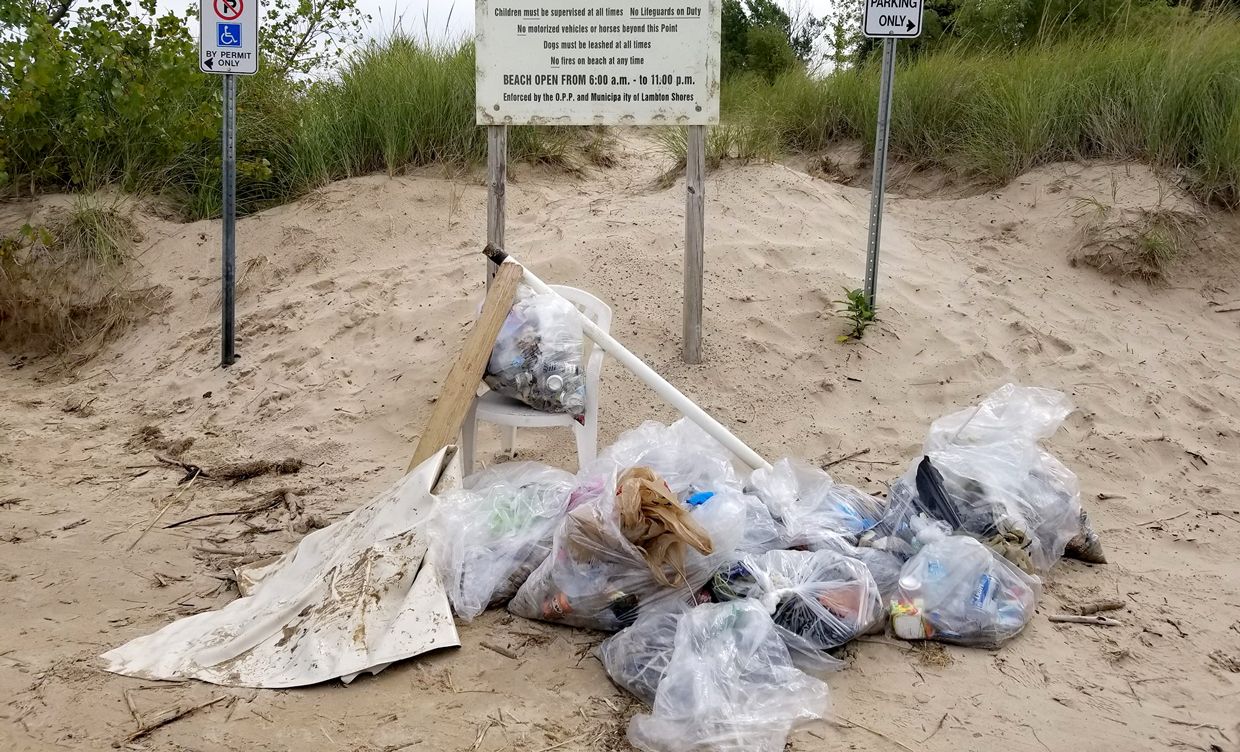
352	597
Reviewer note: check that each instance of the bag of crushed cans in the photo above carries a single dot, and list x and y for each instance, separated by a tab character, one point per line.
537	357
625	544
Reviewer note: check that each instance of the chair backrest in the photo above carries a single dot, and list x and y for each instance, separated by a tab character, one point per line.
597	311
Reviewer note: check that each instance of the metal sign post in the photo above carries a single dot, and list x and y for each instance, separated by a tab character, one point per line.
878	187
228	349
228	46
889	20
497	186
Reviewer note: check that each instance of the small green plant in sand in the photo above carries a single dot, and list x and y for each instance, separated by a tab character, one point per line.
858	311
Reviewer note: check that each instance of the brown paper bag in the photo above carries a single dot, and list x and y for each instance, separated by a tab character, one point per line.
657	523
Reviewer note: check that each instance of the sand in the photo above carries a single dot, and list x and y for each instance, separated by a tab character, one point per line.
352	303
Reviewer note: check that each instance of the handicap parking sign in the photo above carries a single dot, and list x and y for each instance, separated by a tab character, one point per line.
228	34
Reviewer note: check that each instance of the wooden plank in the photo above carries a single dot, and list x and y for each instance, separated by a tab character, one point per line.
695	220
461	384
497	182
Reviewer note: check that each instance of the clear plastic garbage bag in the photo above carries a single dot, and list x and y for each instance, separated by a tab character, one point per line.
818	599
486	537
985	475
884	565
957	590
737	522
812	508
596	578
537	357
637	657
730	686
688	459
1024	414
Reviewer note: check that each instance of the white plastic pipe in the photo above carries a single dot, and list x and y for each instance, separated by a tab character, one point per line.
660	385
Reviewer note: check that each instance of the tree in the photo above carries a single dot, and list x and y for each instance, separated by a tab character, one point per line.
801	30
302	35
768	52
735	32
760	36
108	91
19	13
842	37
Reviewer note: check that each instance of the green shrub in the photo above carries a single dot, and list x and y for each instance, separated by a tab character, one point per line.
396	104
117	98
101	101
1168	95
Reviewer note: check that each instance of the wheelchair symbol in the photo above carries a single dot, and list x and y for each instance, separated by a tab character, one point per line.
228	34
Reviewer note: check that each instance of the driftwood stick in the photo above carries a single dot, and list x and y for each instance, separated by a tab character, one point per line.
500	649
191	471
239	471
236	471
221	551
272	499
557	745
1164	519
845	458
1097	621
171	501
1111	604
133	711
1193	724
881	735
164	717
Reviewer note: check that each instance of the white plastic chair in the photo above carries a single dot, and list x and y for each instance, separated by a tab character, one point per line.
509	413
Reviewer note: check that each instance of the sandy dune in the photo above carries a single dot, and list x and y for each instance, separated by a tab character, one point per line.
352	303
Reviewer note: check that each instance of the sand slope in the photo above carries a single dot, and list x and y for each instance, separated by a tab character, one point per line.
352	303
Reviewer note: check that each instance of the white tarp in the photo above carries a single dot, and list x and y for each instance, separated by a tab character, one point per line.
352	597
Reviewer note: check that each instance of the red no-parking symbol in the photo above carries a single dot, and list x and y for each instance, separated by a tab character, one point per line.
228	9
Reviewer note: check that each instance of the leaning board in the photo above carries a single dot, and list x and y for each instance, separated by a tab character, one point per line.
461	385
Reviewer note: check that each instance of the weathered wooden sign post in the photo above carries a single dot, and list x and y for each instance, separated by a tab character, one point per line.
228	46
888	20
603	62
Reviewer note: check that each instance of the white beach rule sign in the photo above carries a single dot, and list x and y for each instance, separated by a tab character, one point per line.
597	62
228	37
897	19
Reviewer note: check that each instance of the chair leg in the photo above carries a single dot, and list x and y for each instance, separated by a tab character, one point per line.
587	443
508	438
469	433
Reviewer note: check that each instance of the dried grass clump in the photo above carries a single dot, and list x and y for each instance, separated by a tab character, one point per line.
70	285
1135	243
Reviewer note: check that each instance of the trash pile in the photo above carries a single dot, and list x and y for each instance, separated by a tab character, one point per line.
537	355
726	596
495	530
